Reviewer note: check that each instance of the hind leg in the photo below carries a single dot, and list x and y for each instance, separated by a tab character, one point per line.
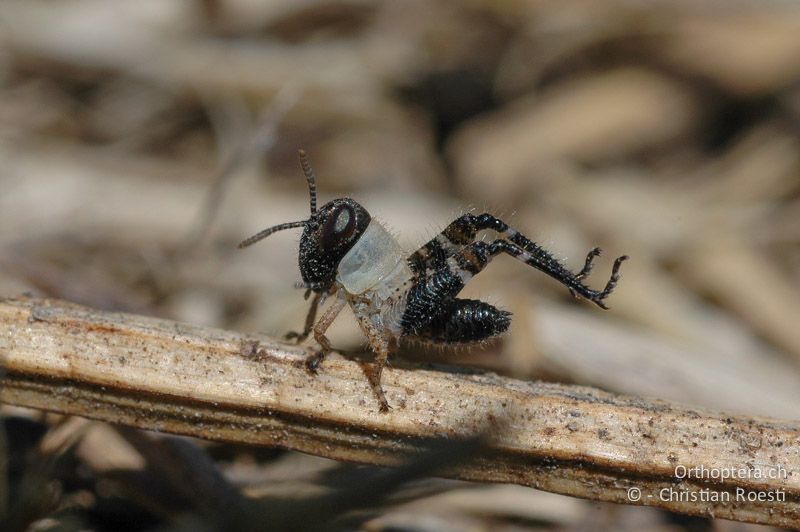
458	237
434	297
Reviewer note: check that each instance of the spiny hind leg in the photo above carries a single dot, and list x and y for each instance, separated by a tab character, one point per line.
473	258
461	232
564	276
459	236
314	360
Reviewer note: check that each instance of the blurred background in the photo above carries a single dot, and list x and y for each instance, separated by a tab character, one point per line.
141	141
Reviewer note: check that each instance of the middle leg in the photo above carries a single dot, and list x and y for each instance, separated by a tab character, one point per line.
383	344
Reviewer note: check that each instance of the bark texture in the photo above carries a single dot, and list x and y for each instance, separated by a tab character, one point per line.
223	385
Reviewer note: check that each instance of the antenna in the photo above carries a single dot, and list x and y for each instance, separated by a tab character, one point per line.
312	193
266	232
310	177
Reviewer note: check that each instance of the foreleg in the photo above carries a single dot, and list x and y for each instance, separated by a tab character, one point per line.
310	318
313	361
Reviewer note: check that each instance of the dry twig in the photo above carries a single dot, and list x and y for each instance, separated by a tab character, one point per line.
172	377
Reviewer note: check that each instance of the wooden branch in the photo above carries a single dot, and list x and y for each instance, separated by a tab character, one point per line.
166	376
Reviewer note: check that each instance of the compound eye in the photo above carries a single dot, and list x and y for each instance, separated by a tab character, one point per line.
339	227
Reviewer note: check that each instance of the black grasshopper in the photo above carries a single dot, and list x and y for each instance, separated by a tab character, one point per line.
348	255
